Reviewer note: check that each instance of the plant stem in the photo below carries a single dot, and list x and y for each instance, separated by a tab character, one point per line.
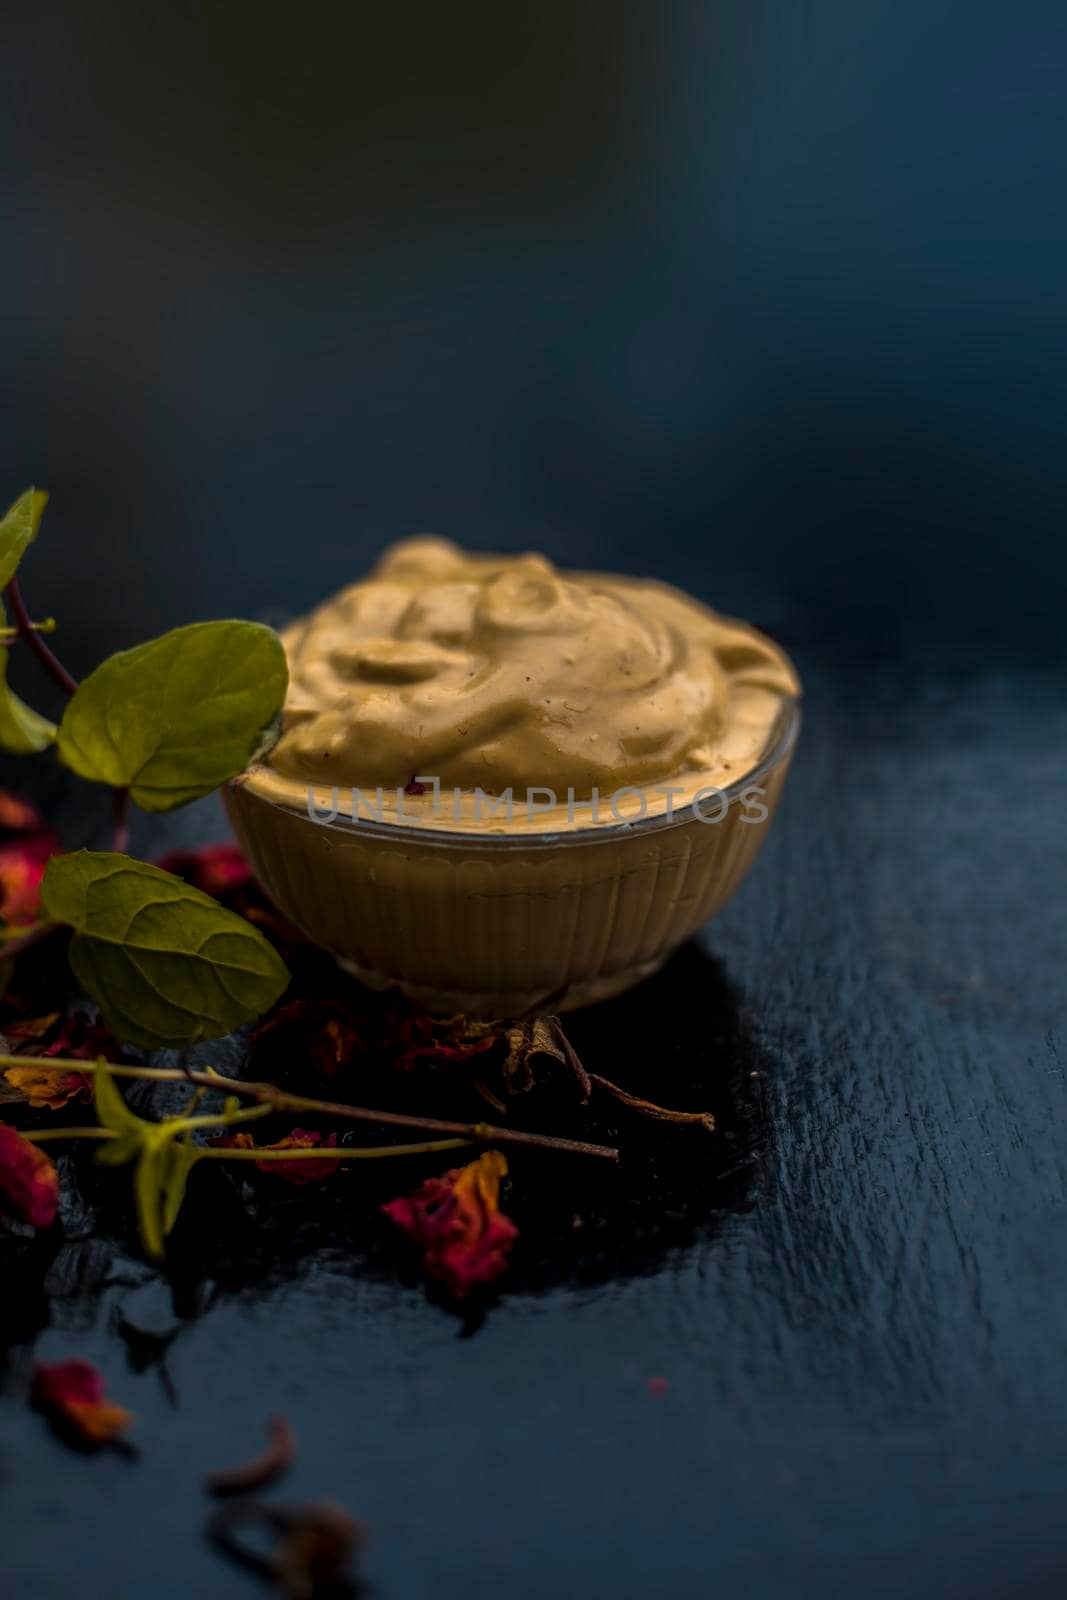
344	1152
476	1132
224	1118
43	1135
26	630
120	819
26	941
279	1100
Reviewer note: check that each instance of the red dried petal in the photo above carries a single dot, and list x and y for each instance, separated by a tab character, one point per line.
291	1171
301	1171
216	869
22	864
418	1037
456	1220
73	1395
18	815
84	1038
29	1182
80	1037
321	1032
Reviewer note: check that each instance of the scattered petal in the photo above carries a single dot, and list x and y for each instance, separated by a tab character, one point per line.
49	1090
215	868
22	864
456	1220
85	1038
31	1027
29	1182
322	1033
658	1385
314	1551
72	1394
18	815
79	1036
291	1171
265	1468
416	1037
23	854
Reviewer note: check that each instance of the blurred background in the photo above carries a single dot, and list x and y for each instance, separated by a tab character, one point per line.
767	298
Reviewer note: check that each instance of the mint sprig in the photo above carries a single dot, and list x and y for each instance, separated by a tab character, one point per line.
163	724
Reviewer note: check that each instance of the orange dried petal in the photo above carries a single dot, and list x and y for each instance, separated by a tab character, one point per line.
53	1090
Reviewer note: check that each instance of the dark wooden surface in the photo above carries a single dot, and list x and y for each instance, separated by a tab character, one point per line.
855	1295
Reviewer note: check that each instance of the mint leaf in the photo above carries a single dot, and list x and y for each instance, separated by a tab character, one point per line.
172	719
165	963
177	1160
22	730
163	1155
18	530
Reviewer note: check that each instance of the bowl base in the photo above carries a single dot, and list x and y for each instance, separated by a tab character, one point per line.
501	1007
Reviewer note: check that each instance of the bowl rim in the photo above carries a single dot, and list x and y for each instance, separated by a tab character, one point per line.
780	745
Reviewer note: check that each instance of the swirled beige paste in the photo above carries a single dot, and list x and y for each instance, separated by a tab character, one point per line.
497	673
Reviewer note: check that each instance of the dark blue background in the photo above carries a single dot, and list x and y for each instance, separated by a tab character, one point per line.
767	299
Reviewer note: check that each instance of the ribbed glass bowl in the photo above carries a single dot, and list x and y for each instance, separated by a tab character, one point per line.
496	925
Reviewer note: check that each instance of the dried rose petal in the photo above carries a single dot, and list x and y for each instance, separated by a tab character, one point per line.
418	1037
22	864
321	1032
310	1548
292	1171
216	869
263	1469
18	815
72	1394
457	1221
29	1182
80	1037
52	1090
84	1038
31	1027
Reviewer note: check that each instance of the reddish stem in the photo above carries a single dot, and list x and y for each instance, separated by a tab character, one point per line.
120	816
24	624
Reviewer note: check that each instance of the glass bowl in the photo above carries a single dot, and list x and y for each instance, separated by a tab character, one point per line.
498	925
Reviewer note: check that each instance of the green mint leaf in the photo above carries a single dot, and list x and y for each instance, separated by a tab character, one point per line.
174	718
18	530
112	1111
22	730
159	1187
177	1160
147	1193
167	966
